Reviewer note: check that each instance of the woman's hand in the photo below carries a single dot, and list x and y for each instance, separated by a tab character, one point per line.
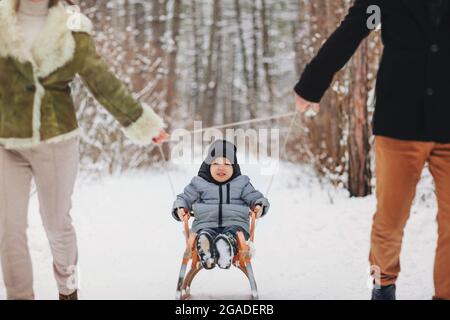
163	136
305	105
258	209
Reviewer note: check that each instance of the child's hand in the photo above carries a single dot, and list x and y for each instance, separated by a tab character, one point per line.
258	210
182	212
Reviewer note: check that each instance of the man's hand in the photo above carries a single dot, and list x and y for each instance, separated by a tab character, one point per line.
163	136
182	212
258	210
305	105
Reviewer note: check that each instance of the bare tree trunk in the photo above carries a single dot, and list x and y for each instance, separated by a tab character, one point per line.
359	176
140	22
156	96
266	51
246	72
156	44
197	59
209	97
234	106
171	81
228	85
255	33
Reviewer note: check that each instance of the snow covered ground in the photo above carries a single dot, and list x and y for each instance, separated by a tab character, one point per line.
313	244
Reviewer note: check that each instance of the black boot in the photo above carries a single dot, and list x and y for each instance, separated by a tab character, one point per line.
384	292
205	250
72	296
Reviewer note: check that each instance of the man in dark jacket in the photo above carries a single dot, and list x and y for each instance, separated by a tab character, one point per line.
411	120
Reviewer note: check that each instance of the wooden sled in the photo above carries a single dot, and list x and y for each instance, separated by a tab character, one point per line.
242	260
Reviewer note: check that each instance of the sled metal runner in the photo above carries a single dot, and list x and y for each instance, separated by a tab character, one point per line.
242	261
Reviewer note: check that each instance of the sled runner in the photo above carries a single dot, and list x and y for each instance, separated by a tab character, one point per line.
242	260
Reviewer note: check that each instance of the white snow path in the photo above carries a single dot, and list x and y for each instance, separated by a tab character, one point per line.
306	248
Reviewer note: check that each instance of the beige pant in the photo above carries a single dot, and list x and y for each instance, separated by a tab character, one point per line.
54	168
399	167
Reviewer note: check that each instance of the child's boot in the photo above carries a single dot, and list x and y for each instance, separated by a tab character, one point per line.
225	246
205	250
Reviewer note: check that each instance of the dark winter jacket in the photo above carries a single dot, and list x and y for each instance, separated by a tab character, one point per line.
413	84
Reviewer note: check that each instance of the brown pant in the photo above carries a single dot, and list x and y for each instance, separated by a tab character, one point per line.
399	165
54	168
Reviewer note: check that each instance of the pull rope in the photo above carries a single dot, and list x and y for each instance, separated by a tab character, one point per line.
239	123
169	177
283	149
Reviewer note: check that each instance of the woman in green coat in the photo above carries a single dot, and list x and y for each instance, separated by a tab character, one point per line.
43	46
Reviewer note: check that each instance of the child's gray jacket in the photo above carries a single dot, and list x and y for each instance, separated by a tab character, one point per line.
220	205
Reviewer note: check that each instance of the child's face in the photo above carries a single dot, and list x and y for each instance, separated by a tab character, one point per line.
221	169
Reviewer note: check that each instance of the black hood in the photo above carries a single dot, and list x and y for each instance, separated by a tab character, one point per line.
220	148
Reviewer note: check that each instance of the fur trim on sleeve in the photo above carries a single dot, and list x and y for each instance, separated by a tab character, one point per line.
78	22
146	127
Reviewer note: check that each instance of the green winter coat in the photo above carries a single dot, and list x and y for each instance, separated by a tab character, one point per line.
35	98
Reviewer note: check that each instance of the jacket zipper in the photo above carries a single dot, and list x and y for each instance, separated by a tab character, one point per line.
228	193
220	206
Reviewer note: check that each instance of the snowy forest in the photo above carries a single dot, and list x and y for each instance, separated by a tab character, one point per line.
227	61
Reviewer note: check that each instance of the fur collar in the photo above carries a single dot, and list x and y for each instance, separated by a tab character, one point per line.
55	45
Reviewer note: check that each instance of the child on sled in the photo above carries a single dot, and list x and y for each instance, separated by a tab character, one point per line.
220	198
